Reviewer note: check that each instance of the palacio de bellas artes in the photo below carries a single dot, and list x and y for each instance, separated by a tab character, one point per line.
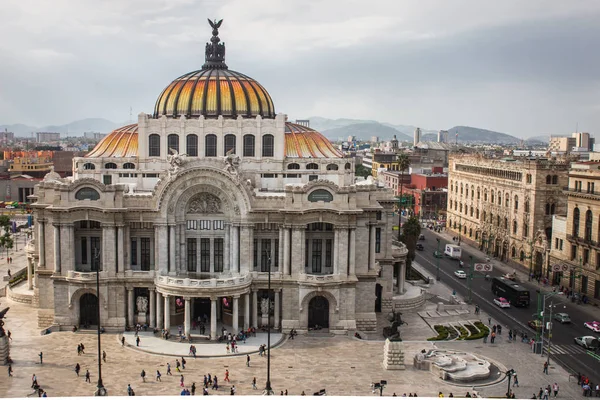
184	213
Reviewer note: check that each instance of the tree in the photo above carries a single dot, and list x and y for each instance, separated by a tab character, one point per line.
410	235
403	165
361	170
6	240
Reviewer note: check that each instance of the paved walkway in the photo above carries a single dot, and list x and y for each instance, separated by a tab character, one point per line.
18	256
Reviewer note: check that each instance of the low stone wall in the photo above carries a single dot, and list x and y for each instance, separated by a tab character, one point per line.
409	304
366	323
4	350
45	318
18	297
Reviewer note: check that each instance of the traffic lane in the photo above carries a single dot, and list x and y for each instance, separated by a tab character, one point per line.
515	318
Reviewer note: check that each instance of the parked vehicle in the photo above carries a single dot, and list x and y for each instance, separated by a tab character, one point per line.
502	302
453	251
460	274
563	318
588	342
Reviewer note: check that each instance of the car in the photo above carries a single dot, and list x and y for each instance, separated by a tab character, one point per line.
509	276
438	254
535	324
460	274
419	246
588	342
563	318
421	237
593	325
502	302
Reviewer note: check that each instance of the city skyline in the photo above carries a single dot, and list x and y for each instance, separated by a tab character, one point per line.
519	69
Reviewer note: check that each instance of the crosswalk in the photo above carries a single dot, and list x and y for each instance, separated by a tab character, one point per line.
566	349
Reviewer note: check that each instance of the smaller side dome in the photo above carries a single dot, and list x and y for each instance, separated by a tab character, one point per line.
122	142
304	142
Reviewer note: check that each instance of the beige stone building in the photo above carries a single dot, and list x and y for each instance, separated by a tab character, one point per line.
505	206
185	213
575	254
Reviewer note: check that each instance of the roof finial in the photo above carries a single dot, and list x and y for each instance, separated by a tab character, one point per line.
215	51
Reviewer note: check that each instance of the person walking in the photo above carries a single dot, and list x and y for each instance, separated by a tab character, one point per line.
516	380
122	341
183	363
493	337
137	341
254	383
226	376
143	375
41	358
193	388
555	389
104	356
87	376
158	375
247	360
34	381
169	369
77	369
177	366
545	371
215	383
129	390
181	381
10	371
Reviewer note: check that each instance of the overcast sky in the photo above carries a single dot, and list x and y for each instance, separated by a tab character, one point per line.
521	67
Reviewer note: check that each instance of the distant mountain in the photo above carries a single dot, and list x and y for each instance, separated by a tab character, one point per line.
409	130
323	124
538	139
467	134
364	131
75	128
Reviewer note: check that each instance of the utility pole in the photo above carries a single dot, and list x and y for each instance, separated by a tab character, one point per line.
470	280
437	260
549	331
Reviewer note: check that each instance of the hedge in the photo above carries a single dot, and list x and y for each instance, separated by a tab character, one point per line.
442	333
463	332
483	331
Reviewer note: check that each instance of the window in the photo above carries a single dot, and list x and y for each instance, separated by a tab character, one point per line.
516	202
588	224
210	146
95	248
529	178
505	223
205	255
573	252
513	252
84	252
145	253
172	143
471	211
507	200
230	143
485	195
88	166
218	256
134	253
110	165
129	165
586	256
265	254
293	166
576	222
87	194
347	166
154	145
478	194
255	255
522	256
498	221
320	195
377	240
477	213
527	206
107	179
268	146
248	145
276	261
555	179
192	145
515	227
312	166
316	255
548	179
467	191
328	253
525	230
192	254
313	178
461	189
493	197
332	167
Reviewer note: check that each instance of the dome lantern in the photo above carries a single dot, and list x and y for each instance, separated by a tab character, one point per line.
215	51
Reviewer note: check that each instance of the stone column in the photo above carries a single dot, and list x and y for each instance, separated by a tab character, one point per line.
255	308
182	264
372	247
276	322
280	250
30	273
297	256
161	260
120	253
352	248
127	246
236	249
108	249
303	251
246	311
213	318
343	252
167	311
56	248
226	249
152	302
246	253
42	243
159	311
336	251
402	277
236	314
172	267
130	307
286	251
67	248
186	319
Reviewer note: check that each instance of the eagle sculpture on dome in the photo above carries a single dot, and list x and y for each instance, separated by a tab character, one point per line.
215	25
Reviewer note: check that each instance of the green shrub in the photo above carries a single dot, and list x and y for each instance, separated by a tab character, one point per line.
16	280
442	333
483	331
472	330
463	332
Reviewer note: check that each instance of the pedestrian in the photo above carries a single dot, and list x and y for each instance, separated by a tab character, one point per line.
177	366
77	369
104	356
182	363
215	383
78	349
129	390
546	394
254	383
232	391
158	375
41	358
123	341
210	380
143	375
137	341
545	368
247	360
193	388
540	393
285	392
516	382
485	338
205	391
34	382
489	320
169	369
87	376
226	376
493	337
82	348
555	389
181	381
10	371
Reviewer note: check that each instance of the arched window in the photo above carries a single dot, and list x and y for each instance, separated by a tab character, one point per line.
498	220
552	209
312	166
451	187
110	165
505	223
249	145
89	166
471	211
588	224
154	145
484	216
477	213
450	202
516	202
548	179
87	194
461	189
493	198
507	200
173	143
547	208
129	165
191	145
485	195
348	166
470	232
576	222
268	146
499	198
478	193
513	252
467	191
320	195
527	206
332	167
210	145
515	227
293	166
230	143
555	179
522	256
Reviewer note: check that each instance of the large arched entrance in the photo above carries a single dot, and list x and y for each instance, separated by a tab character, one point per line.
88	310
318	312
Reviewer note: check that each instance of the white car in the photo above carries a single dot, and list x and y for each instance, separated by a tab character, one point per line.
502	302
460	274
593	325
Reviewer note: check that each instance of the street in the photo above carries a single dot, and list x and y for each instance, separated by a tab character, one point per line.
563	349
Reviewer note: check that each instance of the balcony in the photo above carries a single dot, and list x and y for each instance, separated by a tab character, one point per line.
210	285
320	278
582	241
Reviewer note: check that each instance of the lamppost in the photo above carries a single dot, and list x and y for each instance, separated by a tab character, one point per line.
268	389
437	260
530	259
101	390
509	374
542	314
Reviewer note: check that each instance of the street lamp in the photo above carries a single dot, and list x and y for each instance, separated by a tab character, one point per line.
509	374
101	390
268	389
551	308
437	260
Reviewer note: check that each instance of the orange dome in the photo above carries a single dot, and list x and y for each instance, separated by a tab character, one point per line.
304	142
122	142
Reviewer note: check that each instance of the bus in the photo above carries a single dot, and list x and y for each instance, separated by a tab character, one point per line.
516	294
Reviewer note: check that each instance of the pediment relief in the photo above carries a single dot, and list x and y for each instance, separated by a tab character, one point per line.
205	203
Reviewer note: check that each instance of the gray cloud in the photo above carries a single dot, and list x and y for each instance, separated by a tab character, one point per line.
526	68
